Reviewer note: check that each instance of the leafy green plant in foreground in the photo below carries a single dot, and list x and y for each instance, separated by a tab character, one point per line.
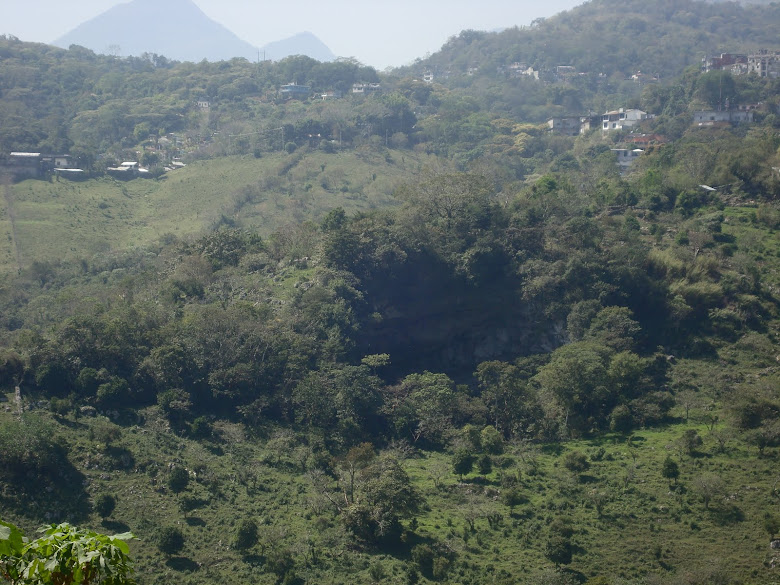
64	554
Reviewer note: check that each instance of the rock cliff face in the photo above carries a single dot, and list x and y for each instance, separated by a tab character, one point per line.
455	330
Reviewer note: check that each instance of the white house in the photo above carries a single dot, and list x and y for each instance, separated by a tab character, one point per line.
626	156
621	119
366	87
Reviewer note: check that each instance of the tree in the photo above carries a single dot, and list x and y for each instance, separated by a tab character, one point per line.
576	462
104	505
670	470
178	480
689	442
462	462
575	385
709	486
170	540
485	463
558	549
491	440
772	525
64	555
246	534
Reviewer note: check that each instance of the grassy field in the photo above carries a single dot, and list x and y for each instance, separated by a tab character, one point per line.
74	220
627	520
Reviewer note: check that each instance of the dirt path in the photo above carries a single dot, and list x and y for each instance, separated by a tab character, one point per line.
8	195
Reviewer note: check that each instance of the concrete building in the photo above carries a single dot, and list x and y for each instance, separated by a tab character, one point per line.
364	88
622	119
626	156
566	125
764	64
712	117
295	91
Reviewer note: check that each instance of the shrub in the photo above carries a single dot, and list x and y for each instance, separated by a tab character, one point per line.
576	462
104	505
246	534
170	540
178	480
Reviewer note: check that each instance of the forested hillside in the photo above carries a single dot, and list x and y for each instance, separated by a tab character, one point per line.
415	336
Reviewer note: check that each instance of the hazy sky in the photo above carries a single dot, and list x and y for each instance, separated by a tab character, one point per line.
378	33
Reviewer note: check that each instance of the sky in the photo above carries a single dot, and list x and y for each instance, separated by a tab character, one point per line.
377	33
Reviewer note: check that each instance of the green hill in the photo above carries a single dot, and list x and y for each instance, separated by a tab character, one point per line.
64	220
412	337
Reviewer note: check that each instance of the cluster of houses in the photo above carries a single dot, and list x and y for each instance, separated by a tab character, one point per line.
764	63
632	119
622	119
293	91
35	165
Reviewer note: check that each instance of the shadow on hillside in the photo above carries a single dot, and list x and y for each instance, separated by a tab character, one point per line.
67	422
50	495
727	514
195	521
214	449
253	560
119	457
115	526
182	564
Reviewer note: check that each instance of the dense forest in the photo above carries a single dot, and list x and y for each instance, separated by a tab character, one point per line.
408	337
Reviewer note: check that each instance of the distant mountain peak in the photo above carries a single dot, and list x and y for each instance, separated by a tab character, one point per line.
179	30
304	43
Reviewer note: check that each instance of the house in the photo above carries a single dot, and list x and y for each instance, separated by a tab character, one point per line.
128	170
626	156
57	161
642	78
332	94
295	91
365	88
764	64
622	119
72	174
518	70
428	77
203	104
568	125
724	62
714	118
24	165
32	165
564	72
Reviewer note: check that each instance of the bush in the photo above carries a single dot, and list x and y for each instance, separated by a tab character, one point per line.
485	464
576	462
491	440
201	428
105	432
170	540
178	480
104	505
246	534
